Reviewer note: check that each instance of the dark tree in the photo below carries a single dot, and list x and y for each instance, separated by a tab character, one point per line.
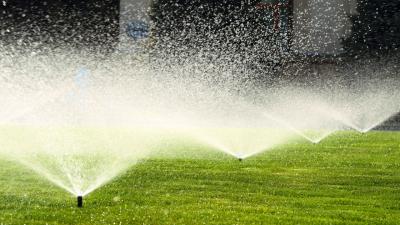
376	29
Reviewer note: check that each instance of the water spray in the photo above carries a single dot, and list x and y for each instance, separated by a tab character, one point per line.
80	201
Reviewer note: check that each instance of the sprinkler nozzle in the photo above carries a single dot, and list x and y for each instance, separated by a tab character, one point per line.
80	201
240	159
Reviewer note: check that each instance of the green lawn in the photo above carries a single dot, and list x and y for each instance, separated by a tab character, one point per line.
347	179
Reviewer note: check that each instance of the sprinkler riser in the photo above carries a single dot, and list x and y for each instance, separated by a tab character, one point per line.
80	201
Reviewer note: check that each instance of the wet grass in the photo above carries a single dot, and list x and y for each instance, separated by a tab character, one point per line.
347	179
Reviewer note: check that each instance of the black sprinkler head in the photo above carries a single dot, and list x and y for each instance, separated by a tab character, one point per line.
80	201
240	159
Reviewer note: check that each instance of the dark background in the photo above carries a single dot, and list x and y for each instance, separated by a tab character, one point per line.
376	29
206	24
78	23
223	25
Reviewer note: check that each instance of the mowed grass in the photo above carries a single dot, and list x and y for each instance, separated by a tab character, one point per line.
347	179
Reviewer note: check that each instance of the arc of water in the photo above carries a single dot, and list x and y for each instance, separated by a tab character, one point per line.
104	178
334	114
290	127
379	122
245	156
343	119
239	155
71	179
106	175
40	170
204	138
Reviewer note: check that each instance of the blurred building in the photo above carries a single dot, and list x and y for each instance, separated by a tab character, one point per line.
306	26
320	25
313	26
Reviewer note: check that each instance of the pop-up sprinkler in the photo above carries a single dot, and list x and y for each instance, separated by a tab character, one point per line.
240	156
80	201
